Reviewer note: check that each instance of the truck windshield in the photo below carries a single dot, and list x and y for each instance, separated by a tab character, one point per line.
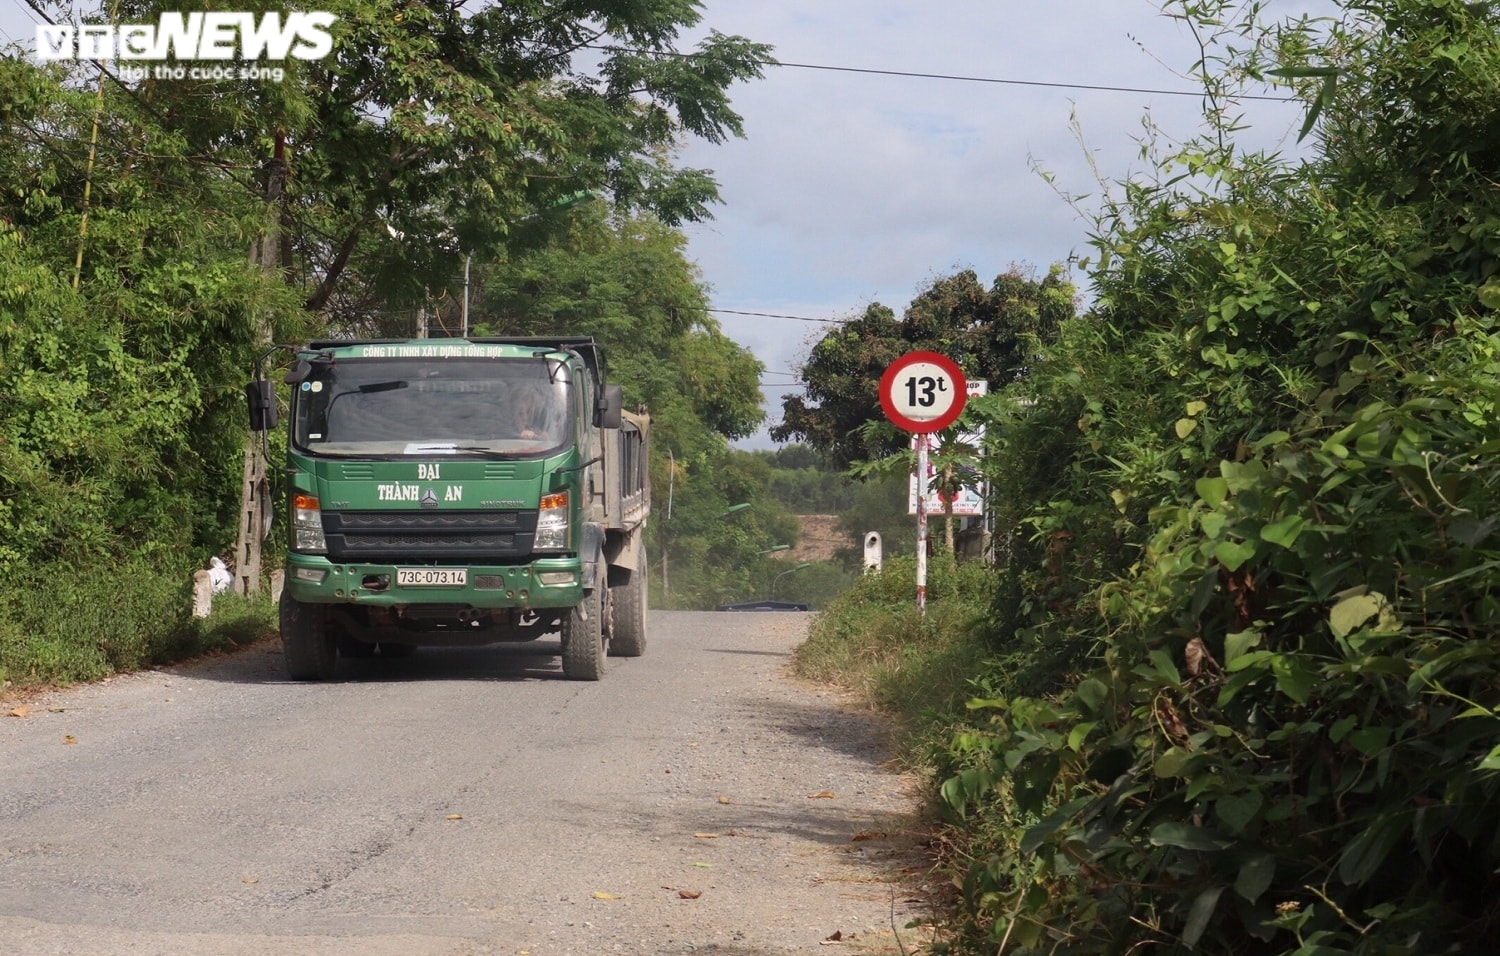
424	407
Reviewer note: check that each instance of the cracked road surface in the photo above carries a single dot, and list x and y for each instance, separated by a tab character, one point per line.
456	801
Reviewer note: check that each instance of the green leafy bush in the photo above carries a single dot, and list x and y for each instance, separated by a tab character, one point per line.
1268	547
873	640
65	622
70	622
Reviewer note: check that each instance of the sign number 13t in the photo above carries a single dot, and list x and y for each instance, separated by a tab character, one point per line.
923	391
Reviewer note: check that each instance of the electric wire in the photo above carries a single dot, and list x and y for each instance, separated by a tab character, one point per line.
776	315
958	78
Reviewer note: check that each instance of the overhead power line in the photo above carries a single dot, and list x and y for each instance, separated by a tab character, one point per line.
960	78
1008	82
776	315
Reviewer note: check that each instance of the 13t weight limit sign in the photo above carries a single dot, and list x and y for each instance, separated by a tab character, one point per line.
923	392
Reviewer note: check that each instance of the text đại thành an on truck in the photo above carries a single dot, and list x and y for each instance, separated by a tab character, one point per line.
459	491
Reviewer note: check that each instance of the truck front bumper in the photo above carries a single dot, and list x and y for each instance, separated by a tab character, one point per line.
545	582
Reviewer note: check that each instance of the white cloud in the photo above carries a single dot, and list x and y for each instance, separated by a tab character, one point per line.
854	187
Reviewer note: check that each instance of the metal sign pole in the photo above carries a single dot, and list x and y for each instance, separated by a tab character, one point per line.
922	523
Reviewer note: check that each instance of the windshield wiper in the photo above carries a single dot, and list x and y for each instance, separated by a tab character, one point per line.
440	448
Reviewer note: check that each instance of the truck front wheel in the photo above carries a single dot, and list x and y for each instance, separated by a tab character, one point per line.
308	646
583	637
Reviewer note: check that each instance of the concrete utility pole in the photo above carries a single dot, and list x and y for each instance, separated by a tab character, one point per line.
255	490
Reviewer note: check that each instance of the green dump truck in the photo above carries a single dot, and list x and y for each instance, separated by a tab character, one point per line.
459	492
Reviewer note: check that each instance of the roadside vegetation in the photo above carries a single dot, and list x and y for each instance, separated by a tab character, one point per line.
917	667
716	553
1238	687
59	627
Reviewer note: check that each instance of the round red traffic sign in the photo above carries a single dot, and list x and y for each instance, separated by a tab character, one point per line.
923	392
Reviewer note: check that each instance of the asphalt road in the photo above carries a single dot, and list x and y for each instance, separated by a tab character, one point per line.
457	801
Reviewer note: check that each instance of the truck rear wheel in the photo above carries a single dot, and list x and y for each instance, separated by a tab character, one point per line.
583	640
629	636
308	646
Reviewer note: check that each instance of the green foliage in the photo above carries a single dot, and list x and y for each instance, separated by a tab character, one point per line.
712	547
715	553
436	132
796	457
128	325
872	640
812	491
991	334
236	621
626	281
62	622
1253	521
804	483
880	506
817	585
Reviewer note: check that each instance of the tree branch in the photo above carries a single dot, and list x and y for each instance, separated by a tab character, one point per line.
319	299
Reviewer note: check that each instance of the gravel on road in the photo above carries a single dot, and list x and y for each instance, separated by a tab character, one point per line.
460	801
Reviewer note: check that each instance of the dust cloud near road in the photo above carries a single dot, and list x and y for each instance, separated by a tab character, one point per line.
697	799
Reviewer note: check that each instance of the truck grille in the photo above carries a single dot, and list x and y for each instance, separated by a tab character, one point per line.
468	537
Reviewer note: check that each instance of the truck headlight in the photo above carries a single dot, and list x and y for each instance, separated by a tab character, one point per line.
307	525
552	523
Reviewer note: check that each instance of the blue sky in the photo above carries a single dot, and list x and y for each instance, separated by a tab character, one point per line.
852	188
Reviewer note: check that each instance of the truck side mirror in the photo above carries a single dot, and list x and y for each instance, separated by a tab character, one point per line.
611	402
260	395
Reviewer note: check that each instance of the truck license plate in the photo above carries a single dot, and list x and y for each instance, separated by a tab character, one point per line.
433	577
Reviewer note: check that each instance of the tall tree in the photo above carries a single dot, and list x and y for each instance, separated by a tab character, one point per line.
423	138
988	332
625	279
126	329
433	128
